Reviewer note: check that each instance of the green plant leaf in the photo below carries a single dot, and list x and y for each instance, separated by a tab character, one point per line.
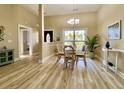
92	42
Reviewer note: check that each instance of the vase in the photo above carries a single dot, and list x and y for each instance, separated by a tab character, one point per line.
48	38
91	55
107	44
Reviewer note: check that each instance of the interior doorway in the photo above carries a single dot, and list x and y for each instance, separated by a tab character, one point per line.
25	41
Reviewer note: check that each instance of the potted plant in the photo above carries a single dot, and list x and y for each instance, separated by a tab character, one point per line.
92	44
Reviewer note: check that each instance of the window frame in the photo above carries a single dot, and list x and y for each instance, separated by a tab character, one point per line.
74	41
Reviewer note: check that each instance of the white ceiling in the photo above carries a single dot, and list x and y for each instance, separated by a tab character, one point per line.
61	9
31	7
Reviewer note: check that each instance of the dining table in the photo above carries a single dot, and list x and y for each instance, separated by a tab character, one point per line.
78	54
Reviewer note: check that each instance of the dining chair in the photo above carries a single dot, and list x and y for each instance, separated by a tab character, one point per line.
69	56
60	52
82	54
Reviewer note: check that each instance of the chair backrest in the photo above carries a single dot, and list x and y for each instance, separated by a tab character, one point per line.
59	47
69	51
85	49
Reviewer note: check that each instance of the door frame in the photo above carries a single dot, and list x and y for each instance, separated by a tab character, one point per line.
19	40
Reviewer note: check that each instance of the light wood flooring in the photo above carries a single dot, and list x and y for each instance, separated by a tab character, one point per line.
28	73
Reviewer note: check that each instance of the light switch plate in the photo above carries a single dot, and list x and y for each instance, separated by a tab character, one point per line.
9	41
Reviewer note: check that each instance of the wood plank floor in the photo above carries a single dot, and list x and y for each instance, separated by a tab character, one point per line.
28	73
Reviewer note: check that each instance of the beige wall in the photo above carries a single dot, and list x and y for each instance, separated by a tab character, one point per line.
27	18
10	17
59	23
107	15
48	49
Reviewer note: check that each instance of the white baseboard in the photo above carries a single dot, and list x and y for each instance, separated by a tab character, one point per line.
16	59
46	58
40	61
19	58
98	58
119	73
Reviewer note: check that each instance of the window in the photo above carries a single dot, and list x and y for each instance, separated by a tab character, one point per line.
76	37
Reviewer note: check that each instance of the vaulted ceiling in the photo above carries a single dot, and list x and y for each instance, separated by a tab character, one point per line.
61	9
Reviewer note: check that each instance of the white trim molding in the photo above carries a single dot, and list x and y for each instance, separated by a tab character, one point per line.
46	58
16	59
121	74
19	39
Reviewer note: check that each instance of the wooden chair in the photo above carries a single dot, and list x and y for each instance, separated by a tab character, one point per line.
60	52
82	54
69	55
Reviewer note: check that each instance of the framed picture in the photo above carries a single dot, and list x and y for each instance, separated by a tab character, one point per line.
114	30
48	35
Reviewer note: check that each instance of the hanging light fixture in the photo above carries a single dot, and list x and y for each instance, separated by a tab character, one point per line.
74	21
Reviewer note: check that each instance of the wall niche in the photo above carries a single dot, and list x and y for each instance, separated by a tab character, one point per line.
48	36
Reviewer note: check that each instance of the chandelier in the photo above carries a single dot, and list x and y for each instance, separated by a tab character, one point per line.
73	21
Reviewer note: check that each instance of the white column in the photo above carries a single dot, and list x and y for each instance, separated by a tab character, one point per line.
41	30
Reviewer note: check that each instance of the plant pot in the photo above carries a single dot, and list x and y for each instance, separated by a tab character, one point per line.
91	55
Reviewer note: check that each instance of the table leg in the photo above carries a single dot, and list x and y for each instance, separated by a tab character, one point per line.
116	63
85	60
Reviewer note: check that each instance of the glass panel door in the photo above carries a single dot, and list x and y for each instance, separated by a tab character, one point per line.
76	38
69	37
